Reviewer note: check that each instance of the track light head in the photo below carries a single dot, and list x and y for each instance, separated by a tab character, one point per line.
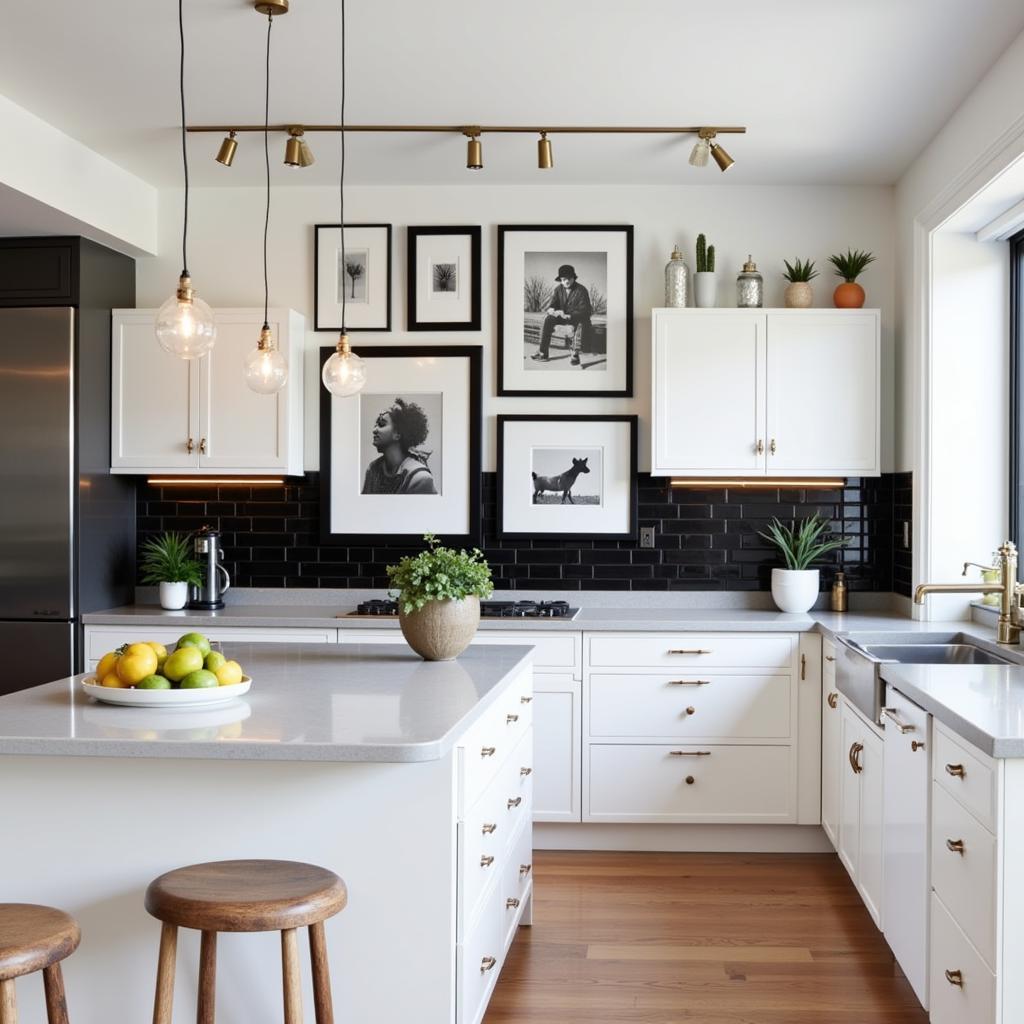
296	150
722	158
700	153
545	159
474	150
226	153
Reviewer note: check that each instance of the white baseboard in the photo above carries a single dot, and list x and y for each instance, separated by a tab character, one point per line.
682	838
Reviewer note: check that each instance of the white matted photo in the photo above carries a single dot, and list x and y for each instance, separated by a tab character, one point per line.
402	457
565	310
567	477
352	282
443	278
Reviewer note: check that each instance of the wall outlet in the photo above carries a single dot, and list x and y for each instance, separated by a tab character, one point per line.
647	536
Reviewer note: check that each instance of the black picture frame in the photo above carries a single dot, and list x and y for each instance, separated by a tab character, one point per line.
472	538
414	234
629	534
319	304
504	230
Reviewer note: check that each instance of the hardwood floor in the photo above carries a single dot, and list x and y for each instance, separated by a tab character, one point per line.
664	938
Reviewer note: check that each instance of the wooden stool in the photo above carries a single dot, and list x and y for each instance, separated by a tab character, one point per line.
34	938
246	896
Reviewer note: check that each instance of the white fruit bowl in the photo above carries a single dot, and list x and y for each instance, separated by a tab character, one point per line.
130	698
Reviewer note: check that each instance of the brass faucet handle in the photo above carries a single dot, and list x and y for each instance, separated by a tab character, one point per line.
978	565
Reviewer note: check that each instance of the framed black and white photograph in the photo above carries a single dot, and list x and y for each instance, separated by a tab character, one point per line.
443	279
402	457
567	477
565	311
358	277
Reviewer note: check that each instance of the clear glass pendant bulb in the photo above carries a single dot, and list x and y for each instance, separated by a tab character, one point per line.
266	369
185	325
344	373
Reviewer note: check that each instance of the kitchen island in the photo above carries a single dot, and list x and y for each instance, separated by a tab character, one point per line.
365	760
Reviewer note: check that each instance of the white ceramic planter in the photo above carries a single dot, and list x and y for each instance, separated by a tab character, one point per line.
704	288
799	295
173	596
795	590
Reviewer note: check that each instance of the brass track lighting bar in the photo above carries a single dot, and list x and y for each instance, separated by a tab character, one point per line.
492	129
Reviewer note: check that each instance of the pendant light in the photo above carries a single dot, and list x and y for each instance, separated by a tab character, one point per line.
266	370
185	326
344	373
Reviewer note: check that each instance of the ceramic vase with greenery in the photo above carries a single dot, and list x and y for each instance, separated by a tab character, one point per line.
799	293
849	266
704	286
438	593
795	588
167	562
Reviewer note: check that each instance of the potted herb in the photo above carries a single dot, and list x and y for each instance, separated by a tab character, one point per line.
168	562
849	266
795	588
438	595
704	286
799	293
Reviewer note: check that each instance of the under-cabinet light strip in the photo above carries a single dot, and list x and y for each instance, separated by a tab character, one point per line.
195	481
712	483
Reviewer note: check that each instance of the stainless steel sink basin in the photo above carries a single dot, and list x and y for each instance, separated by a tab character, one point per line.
934	654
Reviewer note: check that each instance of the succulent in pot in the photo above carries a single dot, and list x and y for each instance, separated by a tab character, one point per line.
799	293
849	266
438	593
795	588
704	280
166	561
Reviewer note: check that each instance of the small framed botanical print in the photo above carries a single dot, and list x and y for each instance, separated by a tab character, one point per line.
402	457
567	477
565	311
444	279
356	280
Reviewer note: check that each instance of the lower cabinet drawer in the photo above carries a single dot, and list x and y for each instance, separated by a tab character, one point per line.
964	870
711	783
689	651
479	960
517	881
962	988
965	773
710	705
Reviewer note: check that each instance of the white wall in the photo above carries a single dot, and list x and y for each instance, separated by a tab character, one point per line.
769	222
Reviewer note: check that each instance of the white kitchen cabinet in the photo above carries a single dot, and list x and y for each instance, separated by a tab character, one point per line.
198	416
831	745
766	392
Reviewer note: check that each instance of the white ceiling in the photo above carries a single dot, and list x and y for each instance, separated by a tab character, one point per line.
831	91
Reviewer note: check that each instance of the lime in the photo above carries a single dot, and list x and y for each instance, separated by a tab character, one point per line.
153	682
182	662
198	680
195	640
213	661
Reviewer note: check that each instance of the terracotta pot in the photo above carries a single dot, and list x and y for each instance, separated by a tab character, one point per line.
849	295
799	295
440	630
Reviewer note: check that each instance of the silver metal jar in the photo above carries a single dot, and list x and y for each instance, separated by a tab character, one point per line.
749	286
677	281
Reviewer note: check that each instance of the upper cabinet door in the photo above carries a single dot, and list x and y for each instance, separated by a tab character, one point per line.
153	417
707	393
823	394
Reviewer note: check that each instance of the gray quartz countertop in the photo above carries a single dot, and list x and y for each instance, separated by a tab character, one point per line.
982	703
308	702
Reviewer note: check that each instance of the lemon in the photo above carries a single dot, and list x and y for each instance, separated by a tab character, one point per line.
229	673
181	662
137	662
161	653
112	679
107	664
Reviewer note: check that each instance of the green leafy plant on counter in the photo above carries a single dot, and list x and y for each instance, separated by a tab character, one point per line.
168	559
705	256
439	574
798	271
850	265
803	542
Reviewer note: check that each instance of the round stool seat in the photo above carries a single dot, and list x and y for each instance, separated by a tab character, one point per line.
33	938
246	896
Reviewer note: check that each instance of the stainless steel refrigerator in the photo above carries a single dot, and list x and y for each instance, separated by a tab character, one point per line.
67	528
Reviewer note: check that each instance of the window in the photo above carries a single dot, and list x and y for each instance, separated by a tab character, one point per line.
1016	386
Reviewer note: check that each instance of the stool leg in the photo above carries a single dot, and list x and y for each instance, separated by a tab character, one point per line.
8	1004
207	978
56	1004
290	970
164	1003
321	974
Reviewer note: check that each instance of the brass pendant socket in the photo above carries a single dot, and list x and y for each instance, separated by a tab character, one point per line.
266	341
344	349
545	158
185	289
226	153
474	151
271	7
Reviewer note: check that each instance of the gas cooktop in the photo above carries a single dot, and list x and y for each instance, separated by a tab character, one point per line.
488	610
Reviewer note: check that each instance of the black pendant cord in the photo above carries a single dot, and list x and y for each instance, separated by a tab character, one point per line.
184	149
341	187
266	157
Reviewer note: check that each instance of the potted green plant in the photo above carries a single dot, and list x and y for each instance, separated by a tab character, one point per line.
849	266
704	286
438	593
795	588
799	293
167	561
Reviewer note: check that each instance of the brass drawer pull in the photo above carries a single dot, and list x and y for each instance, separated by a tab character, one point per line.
916	745
202	445
773	447
525	700
488	828
691	710
956	770
829	657
509	719
955	846
689	650
759	448
689	682
803	666
525	771
690	753
511	903
890	713
190	446
486	860
525	869
487	751
486	964
515	802
955	978
833	699
855	751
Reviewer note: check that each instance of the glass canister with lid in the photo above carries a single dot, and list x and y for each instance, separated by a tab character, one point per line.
749	286
677	281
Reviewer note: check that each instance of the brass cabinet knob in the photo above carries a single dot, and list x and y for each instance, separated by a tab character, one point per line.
691	710
509	719
916	745
190	446
487	751
514	802
488	828
511	903
525	869
525	771
955	978
956	770
525	700
486	860
829	657
833	699
202	446
689	780
773	447
955	846
486	964
760	447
